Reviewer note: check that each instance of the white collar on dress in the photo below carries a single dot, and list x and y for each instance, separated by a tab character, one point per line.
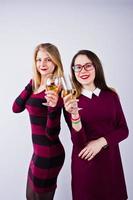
89	93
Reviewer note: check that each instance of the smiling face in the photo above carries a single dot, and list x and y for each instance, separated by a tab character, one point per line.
44	63
86	75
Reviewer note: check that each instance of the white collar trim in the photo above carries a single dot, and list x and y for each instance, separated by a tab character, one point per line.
89	93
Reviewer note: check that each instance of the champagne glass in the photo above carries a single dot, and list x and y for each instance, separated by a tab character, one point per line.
52	83
68	86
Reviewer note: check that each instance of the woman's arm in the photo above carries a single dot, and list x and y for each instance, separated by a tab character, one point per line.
74	121
54	114
53	121
120	131
19	103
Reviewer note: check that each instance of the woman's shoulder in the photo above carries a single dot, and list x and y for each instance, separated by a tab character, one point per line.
111	96
111	92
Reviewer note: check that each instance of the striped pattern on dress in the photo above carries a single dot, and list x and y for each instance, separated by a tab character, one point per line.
48	155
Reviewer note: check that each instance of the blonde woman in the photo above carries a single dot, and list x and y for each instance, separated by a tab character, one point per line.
48	156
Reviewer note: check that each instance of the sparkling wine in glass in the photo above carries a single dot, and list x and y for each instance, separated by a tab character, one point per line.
52	83
68	87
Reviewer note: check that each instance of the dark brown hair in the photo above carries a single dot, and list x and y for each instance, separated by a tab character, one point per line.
99	73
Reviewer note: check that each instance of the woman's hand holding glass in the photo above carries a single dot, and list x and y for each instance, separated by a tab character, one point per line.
69	95
52	98
71	104
53	86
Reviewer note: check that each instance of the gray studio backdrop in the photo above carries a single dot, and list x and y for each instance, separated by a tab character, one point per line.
104	27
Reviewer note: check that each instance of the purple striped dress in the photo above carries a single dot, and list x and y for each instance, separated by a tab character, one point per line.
48	156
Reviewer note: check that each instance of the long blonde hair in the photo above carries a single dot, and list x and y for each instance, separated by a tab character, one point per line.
54	54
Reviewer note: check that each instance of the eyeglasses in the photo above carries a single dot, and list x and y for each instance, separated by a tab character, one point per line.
87	67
